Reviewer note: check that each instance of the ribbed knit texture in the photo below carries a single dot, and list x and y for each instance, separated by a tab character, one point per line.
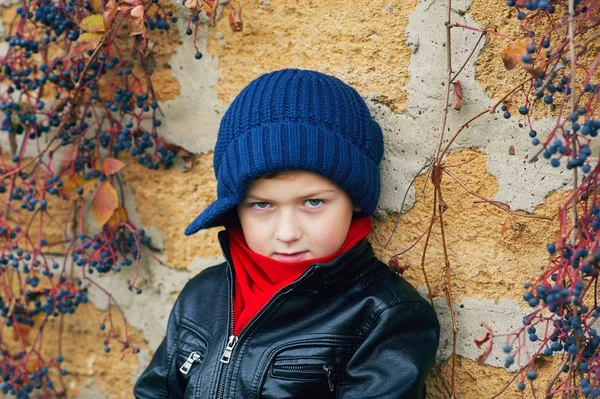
295	120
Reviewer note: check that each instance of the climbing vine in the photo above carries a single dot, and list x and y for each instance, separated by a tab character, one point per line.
77	101
557	56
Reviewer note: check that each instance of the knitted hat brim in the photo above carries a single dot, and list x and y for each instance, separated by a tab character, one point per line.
290	146
212	215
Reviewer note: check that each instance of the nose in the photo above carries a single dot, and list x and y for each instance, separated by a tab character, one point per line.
288	228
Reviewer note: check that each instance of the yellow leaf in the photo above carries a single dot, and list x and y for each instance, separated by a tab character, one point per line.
93	23
90	37
105	202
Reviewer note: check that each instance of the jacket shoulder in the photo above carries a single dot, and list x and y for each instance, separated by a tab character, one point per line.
390	287
205	284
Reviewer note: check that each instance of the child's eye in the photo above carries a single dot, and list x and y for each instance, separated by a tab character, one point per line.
260	205
314	203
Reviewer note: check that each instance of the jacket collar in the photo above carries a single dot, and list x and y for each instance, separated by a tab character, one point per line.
353	262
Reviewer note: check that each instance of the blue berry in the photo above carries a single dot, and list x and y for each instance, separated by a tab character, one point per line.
506	115
531	374
198	55
527	59
555	162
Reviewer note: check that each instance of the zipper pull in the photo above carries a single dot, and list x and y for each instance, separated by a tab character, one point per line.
328	369
193	357
230	344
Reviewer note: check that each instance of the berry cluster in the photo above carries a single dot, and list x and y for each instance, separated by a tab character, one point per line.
79	105
563	297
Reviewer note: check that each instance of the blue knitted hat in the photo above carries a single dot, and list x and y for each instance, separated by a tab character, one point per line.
295	120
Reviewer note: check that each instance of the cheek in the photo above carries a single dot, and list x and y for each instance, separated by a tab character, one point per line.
331	231
255	233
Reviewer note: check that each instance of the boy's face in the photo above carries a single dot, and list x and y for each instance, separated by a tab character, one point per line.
295	216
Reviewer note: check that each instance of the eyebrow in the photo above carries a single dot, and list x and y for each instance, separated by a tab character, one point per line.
312	194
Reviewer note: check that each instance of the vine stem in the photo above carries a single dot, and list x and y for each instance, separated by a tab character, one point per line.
437	174
572	86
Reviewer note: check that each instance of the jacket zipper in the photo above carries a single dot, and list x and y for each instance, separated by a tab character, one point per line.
192	358
327	369
233	339
311	368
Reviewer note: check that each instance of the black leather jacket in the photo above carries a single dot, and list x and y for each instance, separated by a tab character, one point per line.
348	329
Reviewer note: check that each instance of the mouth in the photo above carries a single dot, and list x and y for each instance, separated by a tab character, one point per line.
292	257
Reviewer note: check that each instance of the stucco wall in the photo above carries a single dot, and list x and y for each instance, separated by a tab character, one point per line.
393	53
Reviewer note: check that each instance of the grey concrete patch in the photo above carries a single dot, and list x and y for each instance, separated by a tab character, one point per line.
149	311
411	139
192	119
504	317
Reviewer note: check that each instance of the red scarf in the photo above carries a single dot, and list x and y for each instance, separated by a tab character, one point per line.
258	278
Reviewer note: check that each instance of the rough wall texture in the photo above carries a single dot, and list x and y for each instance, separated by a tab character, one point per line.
393	53
362	43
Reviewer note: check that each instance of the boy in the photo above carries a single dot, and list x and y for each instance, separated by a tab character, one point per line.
301	308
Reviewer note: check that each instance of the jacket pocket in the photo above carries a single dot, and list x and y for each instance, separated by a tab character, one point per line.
191	349
306	369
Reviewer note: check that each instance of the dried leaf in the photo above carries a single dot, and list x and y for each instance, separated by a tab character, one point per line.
112	166
482	340
119	216
488	337
395	265
135	21
457	95
512	55
21	330
105	202
235	19
188	161
34	363
96	5
148	63
140	42
109	11
12	138
92	23
194	6
69	156
72	182
536	72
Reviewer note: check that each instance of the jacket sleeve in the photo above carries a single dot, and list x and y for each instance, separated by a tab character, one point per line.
160	379
396	355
